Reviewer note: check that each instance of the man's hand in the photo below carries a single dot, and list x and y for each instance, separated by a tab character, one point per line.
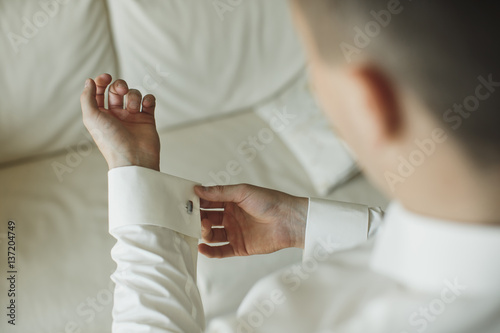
125	135
254	221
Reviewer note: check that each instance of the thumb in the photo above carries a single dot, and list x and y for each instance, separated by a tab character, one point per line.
88	100
229	193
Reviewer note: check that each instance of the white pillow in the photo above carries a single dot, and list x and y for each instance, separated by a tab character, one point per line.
205	58
47	49
306	132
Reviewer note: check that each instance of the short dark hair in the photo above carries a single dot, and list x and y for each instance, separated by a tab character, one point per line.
440	49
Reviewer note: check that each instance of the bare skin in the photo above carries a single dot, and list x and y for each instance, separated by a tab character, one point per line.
125	135
255	220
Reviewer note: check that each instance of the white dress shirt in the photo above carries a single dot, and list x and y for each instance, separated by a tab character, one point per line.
416	274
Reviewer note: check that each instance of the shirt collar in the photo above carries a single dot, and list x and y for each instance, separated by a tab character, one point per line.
427	254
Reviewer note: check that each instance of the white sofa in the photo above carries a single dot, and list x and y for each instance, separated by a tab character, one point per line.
219	70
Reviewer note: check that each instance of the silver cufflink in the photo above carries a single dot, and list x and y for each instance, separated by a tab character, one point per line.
189	207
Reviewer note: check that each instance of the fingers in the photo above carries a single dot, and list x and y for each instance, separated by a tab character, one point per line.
116	94
211	204
102	82
215	217
88	100
210	219
213	235
221	194
224	251
135	101
117	91
149	104
134	98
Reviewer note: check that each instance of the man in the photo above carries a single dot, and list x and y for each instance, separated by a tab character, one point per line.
413	88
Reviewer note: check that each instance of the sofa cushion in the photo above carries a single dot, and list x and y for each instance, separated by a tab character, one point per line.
47	49
205	58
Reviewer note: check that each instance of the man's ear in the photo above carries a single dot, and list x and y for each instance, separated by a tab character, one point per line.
380	100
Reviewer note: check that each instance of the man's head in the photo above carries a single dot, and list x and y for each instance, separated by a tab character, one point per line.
389	73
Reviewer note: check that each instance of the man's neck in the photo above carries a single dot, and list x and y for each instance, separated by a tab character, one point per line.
456	194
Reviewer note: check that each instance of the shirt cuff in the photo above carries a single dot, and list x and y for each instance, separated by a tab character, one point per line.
333	226
140	196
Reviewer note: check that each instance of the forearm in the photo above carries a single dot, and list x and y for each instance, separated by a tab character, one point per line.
155	253
155	281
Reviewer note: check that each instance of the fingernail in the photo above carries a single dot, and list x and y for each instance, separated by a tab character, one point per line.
87	82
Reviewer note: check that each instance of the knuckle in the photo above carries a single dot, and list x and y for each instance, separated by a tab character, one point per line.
243	191
134	95
244	187
217	189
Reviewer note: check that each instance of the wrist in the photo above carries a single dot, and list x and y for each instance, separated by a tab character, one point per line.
121	161
300	207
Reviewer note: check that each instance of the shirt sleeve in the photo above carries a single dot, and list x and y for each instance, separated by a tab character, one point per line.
155	220
333	226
